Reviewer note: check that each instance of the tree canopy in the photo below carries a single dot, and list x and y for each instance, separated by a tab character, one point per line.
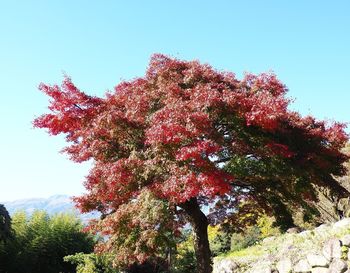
40	242
192	135
5	223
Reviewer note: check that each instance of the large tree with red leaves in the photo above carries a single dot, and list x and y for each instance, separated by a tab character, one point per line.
185	135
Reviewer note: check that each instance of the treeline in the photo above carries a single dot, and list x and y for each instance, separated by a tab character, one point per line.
41	243
181	257
38	243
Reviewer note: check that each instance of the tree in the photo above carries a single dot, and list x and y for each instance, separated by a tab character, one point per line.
5	223
192	135
5	239
345	180
42	241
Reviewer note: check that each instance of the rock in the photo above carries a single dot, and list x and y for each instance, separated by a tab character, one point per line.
342	223
264	269
302	266
284	266
294	230
338	266
332	249
345	240
322	228
224	266
261	267
320	270
305	233
269	239
317	260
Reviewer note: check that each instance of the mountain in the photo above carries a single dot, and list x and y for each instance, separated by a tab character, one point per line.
52	205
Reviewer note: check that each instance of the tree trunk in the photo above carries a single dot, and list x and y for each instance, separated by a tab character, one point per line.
199	223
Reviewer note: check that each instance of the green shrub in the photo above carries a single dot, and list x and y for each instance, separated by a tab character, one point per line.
246	239
219	240
91	263
184	260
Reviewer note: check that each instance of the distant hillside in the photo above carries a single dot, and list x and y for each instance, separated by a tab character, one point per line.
53	204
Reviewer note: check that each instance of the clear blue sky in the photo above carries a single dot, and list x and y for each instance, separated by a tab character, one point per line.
98	43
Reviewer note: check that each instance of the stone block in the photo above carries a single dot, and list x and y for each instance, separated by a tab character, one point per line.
317	260
284	266
332	249
302	266
320	270
345	240
225	266
338	266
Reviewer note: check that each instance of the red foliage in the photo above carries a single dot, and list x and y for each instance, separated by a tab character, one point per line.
280	149
171	117
171	131
137	230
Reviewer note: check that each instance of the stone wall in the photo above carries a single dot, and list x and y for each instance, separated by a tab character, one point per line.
324	249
